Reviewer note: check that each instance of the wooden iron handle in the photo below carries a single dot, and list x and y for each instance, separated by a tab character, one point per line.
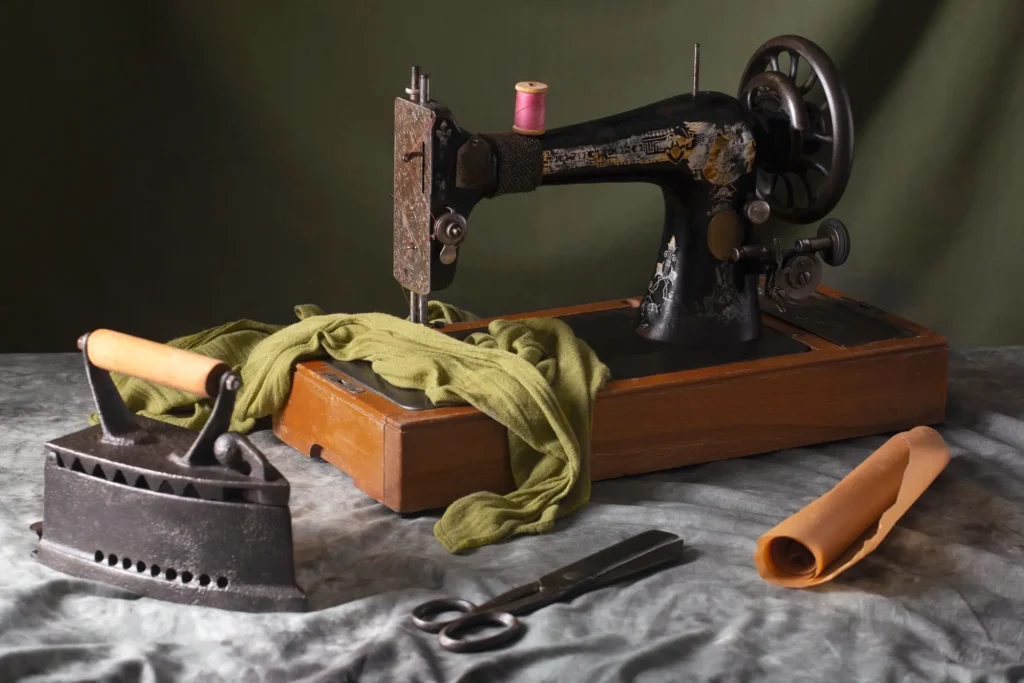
154	362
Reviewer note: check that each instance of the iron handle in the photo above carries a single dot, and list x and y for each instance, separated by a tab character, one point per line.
153	362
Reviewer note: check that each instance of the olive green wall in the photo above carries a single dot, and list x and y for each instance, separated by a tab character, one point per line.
171	166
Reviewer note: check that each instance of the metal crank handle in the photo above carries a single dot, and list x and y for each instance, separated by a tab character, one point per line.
153	362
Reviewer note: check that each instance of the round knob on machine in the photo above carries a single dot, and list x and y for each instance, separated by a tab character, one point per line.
757	211
832	242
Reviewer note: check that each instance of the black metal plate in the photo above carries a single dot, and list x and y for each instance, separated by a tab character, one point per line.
611	334
362	373
842	321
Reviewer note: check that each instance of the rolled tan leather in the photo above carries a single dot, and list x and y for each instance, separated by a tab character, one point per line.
836	531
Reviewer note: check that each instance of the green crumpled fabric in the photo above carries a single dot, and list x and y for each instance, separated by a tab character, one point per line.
532	376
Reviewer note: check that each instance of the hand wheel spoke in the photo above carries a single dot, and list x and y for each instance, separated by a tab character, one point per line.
794	65
773	63
790	198
809	85
805	181
765	184
811	165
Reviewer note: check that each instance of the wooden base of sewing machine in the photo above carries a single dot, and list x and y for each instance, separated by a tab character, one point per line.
826	369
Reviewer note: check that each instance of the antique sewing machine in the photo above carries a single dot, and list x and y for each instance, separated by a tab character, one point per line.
734	349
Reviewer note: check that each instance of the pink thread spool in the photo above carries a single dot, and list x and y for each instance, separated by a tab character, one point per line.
531	104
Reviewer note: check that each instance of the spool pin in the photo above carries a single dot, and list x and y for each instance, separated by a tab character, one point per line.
531	105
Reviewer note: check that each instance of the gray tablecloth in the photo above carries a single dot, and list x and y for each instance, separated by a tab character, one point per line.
942	599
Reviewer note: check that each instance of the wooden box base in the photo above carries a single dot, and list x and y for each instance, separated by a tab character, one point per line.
419	459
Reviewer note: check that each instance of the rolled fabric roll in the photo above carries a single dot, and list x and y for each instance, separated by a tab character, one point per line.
840	528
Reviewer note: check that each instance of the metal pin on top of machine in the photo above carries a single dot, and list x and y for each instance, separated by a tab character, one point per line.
159	510
696	68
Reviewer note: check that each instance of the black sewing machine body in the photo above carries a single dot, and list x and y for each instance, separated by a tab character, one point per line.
699	149
714	157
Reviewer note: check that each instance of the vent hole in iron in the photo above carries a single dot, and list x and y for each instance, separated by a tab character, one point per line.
141	483
99	555
222	582
171	574
119	478
204	580
190	492
60	461
112	559
126	563
165	487
186	577
98	472
76	466
155	570
140	566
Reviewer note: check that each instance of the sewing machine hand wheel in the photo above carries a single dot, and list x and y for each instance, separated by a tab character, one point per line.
793	132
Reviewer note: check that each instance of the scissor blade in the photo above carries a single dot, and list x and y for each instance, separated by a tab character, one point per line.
511	597
600	569
593	566
666	554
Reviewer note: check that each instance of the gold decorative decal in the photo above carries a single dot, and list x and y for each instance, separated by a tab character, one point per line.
719	154
676	151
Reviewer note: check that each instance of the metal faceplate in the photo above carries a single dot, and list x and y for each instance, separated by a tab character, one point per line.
842	321
412	221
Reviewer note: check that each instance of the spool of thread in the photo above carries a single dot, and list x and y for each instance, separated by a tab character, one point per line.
531	106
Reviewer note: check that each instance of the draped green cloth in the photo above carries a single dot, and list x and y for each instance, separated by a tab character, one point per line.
532	376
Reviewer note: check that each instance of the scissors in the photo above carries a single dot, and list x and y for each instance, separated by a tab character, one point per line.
640	553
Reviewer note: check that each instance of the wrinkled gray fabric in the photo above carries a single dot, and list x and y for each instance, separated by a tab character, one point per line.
942	599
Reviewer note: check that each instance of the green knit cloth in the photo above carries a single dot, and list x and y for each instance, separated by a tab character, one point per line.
532	376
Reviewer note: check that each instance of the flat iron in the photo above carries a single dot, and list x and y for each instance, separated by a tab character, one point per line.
155	509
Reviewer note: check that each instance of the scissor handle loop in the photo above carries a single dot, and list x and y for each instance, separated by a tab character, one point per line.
450	640
423	615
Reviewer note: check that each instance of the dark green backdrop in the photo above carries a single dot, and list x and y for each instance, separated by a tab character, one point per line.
168	166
